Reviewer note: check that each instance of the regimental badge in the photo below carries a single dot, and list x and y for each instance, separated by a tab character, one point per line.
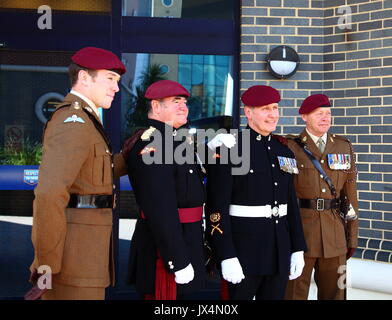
215	217
147	134
288	165
339	161
74	119
147	150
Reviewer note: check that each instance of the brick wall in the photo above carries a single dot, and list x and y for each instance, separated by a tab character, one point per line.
353	67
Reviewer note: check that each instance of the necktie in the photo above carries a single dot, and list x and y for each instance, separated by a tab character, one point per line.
321	145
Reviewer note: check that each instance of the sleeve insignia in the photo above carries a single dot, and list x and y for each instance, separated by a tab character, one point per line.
74	119
147	134
215	217
147	150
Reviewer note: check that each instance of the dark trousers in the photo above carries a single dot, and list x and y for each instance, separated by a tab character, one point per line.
265	287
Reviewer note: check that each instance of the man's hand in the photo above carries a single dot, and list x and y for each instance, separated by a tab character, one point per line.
185	275
33	276
226	139
297	264
232	270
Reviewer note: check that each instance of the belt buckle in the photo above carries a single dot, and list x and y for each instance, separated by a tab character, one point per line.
320	204
275	211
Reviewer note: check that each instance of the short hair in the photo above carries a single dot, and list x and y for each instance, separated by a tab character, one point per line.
73	72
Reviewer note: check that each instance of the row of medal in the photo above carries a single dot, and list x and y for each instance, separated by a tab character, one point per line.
335	162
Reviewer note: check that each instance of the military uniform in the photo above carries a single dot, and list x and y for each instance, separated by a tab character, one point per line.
168	234
326	181
77	160
325	233
236	222
72	220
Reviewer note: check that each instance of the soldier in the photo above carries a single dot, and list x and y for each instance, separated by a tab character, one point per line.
166	258
326	181
72	224
253	219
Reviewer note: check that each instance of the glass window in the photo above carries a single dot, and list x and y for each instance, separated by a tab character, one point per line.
213	9
208	78
31	84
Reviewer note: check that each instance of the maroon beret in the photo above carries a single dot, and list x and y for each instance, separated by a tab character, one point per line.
97	58
165	88
257	96
313	102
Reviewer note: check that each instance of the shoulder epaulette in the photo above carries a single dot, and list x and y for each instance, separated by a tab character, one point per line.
281	139
335	136
147	133
291	136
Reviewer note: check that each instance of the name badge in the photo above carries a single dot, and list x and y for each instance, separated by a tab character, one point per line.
288	165
339	161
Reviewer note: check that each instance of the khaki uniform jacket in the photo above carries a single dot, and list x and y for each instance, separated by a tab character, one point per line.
74	243
324	230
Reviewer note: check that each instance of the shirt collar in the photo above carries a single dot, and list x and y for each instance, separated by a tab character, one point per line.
315	138
88	101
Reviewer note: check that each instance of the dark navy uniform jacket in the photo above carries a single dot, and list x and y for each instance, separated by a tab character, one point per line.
161	189
262	245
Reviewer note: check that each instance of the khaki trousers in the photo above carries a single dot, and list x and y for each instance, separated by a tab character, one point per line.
329	275
64	292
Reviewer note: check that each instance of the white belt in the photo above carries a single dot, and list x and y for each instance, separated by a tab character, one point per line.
258	211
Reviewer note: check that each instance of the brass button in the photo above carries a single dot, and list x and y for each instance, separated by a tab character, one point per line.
322	161
275	183
273	165
323	190
190	171
251	171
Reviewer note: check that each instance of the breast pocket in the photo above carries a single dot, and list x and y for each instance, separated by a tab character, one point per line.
306	173
101	165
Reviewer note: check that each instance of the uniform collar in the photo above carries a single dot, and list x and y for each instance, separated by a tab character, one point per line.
254	135
315	138
88	101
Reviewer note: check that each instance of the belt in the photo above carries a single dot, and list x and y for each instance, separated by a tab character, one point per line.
186	215
266	211
319	204
91	201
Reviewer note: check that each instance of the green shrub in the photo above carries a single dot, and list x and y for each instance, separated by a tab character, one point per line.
29	154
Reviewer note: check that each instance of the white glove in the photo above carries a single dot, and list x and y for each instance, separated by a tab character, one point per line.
226	139
296	265
232	270
185	275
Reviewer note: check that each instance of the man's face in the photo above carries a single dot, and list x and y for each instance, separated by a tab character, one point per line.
172	110
318	121
263	119
102	88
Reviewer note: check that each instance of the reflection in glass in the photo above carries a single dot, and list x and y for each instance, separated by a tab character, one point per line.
31	85
213	9
208	78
